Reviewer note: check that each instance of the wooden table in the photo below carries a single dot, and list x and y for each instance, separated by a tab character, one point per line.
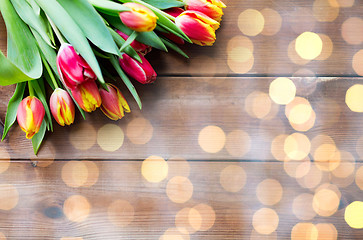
246	140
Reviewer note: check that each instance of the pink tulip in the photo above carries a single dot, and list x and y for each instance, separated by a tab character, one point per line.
198	27
62	107
138	46
30	115
87	96
140	18
211	8
72	68
113	103
175	11
141	72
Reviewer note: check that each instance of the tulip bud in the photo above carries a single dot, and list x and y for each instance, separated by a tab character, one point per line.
87	96
141	72
198	27
138	46
211	8
30	115
113	103
175	11
72	68
62	107
140	18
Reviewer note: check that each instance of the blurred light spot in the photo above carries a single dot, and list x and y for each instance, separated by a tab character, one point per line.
324	11
301	19
349	30
354	214
308	45
273	22
174	234
238	143
233	178
265	221
306	231
302	207
277	147
9	196
326	202
4	160
178	167
120	213
258	104
251	22
327	47
357	62
239	41
343	175
257	236
326	231
354	98
294	56
93	173
282	90
239	66
139	131
83	136
110	137
311	179
341	3
212	139
154	169
188	220
297	146
208	216
2	236
319	140
76	208
179	189
327	157
269	192
240	54
75	173
297	169
359	178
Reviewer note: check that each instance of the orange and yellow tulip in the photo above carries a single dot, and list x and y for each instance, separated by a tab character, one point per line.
114	103
87	96
62	107
139	19
211	8
30	115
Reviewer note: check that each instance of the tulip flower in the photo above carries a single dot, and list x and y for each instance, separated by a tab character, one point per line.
140	18
87	96
72	68
30	115
141	72
138	46
198	27
211	8
175	11
62	107
113	103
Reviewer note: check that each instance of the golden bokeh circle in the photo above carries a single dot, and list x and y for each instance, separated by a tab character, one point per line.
9	197
354	98
238	66
359	178
326	202
207	214
308	45
277	147
76	208
174	234
233	178
83	137
327	231
257	236
258	104
238	143
353	215
302	207
349	30
239	41
188	220
139	131
74	173
212	139
297	146
297	169
251	22
154	169
311	179
325	12
110	137
269	191
2	236
120	213
294	56
265	220
282	90
273	22
357	62
179	189
327	49
304	230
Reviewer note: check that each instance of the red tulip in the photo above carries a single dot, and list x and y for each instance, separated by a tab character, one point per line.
113	103
140	18
87	96
175	11
138	46
62	107
141	72
30	115
72	68
198	27
211	8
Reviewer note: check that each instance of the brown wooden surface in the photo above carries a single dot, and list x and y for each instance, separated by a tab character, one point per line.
223	151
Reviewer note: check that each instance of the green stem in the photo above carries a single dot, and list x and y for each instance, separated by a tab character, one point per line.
56	31
31	89
129	40
51	75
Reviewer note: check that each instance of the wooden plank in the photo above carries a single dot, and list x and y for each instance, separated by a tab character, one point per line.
40	201
270	52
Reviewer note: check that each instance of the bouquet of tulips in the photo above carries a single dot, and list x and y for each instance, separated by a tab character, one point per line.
56	47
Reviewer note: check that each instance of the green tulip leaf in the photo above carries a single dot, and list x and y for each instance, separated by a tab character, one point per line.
108	7
23	62
91	24
38	137
120	41
72	33
164	4
27	14
129	40
35	6
12	109
173	46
